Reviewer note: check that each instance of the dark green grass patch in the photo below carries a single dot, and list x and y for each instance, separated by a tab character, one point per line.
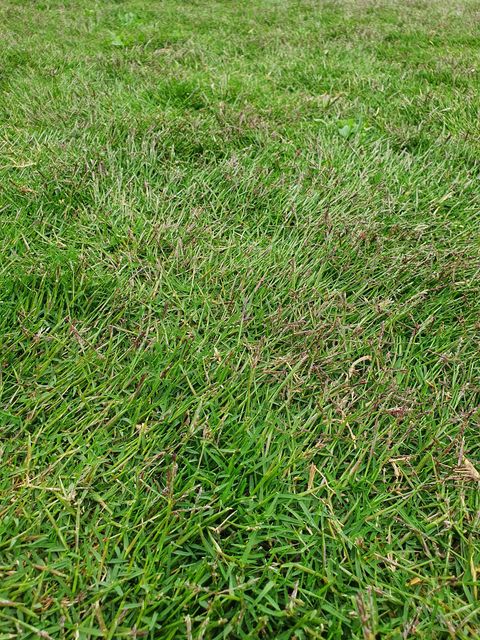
239	318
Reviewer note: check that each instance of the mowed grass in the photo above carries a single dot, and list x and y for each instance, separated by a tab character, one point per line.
240	319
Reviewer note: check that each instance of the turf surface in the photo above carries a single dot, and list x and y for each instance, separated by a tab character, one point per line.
239	319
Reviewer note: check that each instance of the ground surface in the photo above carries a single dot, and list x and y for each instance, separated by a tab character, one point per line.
239	318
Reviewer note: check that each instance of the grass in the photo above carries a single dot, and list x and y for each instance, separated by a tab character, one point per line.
240	319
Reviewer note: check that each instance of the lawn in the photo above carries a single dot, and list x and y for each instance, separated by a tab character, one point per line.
239	319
